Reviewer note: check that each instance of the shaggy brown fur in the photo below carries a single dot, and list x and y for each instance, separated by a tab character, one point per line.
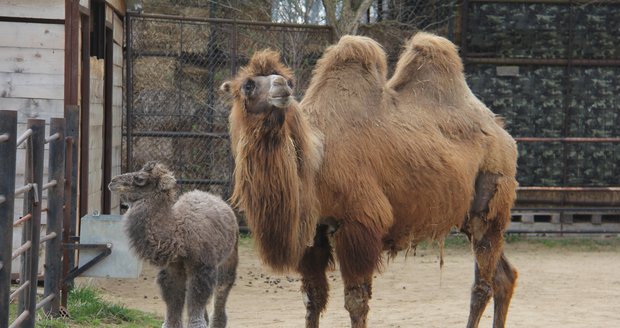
398	161
291	153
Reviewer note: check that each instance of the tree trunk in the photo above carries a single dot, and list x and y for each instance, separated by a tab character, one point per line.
347	19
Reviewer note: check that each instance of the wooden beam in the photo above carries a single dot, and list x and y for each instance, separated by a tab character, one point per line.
42	9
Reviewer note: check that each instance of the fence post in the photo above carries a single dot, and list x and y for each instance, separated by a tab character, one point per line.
55	203
72	115
8	133
32	228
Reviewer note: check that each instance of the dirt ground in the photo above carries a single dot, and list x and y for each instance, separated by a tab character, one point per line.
557	287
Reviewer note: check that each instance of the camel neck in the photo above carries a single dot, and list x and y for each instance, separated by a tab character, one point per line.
153	208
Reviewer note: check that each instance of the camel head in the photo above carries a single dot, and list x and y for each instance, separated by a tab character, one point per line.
154	178
263	86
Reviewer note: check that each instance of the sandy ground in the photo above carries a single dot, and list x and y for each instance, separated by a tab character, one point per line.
557	288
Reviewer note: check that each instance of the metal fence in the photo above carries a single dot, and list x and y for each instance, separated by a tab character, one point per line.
175	66
35	139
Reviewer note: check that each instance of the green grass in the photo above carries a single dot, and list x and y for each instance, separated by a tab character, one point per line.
87	309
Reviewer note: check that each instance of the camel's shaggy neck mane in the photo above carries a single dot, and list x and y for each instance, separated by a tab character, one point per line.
279	143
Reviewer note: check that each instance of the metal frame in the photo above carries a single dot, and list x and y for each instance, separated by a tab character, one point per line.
35	139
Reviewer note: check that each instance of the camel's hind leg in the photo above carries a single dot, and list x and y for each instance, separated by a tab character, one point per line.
171	281
493	274
312	268
503	287
226	275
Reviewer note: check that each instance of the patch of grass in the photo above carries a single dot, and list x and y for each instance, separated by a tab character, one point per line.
88	309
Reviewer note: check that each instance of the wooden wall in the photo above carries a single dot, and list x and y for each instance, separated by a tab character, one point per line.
31	76
32	67
32	81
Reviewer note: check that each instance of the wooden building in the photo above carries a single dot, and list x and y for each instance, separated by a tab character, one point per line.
59	55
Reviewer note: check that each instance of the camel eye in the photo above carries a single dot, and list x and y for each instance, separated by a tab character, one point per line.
290	83
139	180
249	87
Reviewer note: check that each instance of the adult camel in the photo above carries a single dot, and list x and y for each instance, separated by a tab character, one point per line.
365	165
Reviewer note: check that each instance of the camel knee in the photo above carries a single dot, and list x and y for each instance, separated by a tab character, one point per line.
481	293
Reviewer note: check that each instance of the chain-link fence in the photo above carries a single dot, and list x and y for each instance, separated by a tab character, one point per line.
175	66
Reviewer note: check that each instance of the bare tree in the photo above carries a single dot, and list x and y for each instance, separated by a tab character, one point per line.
345	15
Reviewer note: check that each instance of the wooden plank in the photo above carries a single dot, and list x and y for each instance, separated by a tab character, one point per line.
94	202
117	78
96	138
94	180
96	114
46	86
32	35
96	91
117	97
33	61
45	9
118	30
109	15
96	68
96	159
118	6
33	108
118	55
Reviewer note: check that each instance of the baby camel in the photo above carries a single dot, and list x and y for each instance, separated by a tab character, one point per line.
193	240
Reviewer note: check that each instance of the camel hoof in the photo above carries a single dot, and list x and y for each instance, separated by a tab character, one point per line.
197	323
166	324
218	322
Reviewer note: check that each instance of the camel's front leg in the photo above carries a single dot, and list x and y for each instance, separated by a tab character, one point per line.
356	297
171	281
359	250
313	267
201	280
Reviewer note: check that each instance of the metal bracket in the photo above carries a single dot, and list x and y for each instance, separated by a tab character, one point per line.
106	250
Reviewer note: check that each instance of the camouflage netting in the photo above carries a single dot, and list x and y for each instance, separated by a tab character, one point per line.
552	101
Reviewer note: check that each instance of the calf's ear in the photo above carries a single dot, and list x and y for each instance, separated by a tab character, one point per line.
226	87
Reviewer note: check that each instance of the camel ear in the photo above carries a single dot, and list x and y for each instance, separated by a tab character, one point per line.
226	87
167	182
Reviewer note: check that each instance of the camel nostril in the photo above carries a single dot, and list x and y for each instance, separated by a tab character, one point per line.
279	81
